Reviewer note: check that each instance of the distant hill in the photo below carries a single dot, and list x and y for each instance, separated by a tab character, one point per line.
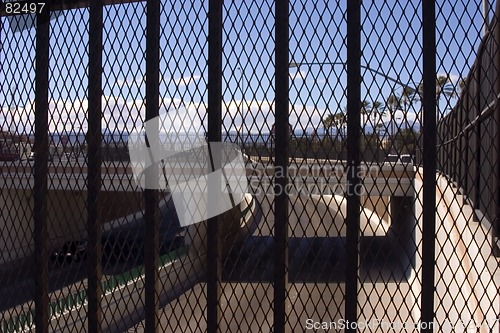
367	129
14	138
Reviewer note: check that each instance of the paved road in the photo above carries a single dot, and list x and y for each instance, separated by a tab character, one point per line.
17	285
467	284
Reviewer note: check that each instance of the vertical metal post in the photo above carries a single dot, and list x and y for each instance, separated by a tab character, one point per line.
467	140
1	43
94	290
429	163
214	135
486	9
463	139
151	195
450	147
282	134
451	143
459	149
477	133
41	169
496	127
353	157
456	145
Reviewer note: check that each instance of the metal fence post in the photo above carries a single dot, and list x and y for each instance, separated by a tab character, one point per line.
455	147
41	169
477	134
353	158
463	145
214	135
496	145
281	152
151	228
429	163
94	291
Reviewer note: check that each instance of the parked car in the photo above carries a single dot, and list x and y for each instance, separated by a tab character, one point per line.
70	251
400	159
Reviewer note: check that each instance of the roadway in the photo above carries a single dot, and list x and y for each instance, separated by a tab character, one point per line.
68	177
68	279
467	284
467	274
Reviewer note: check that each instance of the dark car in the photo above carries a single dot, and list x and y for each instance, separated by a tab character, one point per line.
70	251
399	159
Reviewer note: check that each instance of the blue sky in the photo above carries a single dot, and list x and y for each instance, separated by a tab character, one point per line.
391	43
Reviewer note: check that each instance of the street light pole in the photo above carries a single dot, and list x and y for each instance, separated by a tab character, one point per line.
298	64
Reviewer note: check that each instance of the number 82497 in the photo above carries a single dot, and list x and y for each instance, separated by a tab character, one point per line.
24	8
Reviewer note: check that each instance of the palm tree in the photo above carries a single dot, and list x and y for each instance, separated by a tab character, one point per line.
378	111
341	121
406	96
444	87
364	111
393	103
328	123
380	127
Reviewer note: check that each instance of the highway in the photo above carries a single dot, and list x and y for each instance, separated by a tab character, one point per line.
317	231
467	284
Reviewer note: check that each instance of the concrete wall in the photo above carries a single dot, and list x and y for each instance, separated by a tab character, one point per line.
379	205
67	217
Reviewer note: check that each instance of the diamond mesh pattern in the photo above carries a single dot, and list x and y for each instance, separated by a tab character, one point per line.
248	118
467	195
317	149
68	83
389	277
17	289
389	273
183	73
123	109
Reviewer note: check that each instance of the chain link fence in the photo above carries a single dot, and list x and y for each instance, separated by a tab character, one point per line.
367	134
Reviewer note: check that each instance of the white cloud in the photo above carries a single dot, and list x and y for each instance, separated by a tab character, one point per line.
454	78
185	80
399	117
129	82
128	116
185	116
298	74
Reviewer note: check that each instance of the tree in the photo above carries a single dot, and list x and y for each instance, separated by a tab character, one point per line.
444	87
341	121
328	123
377	110
407	95
365	110
407	141
393	103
